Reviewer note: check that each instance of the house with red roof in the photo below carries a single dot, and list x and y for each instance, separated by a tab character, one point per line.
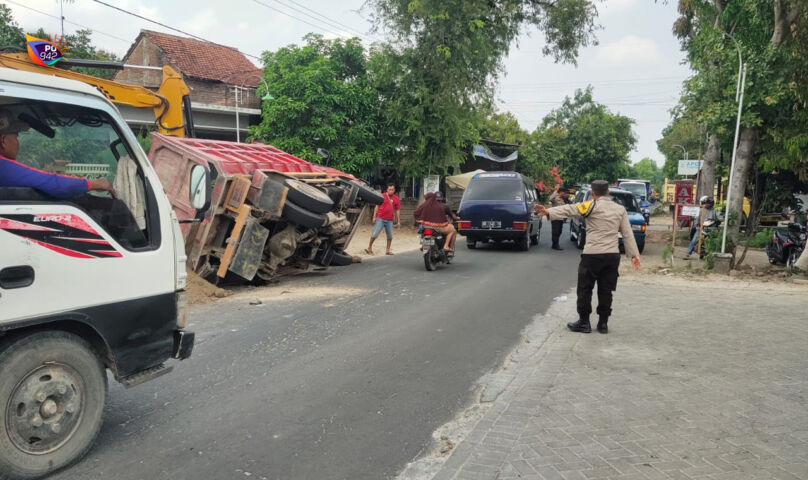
217	76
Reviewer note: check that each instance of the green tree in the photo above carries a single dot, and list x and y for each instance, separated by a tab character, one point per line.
11	35
324	102
438	76
587	141
769	35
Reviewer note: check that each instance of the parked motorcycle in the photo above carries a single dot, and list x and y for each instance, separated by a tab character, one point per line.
787	244
432	243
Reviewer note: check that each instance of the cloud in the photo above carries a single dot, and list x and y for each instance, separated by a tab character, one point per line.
203	23
243	26
617	5
629	50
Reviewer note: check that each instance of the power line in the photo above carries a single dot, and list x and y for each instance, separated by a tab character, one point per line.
68	21
318	27
326	18
166	26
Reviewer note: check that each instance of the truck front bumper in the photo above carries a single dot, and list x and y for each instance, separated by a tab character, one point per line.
183	344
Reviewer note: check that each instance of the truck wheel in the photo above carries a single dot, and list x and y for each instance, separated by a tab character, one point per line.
341	259
523	243
54	388
300	216
308	196
641	246
367	194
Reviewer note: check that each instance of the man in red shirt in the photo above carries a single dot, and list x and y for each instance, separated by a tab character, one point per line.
383	216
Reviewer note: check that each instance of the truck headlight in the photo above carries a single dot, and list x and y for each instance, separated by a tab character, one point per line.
638	228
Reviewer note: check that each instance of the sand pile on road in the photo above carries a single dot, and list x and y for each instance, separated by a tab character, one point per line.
201	291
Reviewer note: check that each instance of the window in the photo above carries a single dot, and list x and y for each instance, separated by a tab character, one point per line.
84	142
626	200
501	189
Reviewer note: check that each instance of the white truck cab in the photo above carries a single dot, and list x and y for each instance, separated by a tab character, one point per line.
87	284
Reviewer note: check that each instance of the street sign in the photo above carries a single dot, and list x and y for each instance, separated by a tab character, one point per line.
689	167
689	211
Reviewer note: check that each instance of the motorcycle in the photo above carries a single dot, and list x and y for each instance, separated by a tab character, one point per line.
432	243
787	244
705	230
645	208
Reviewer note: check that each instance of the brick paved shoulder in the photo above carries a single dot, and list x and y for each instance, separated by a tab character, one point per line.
690	383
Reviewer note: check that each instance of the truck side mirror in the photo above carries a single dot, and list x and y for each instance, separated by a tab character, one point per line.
200	188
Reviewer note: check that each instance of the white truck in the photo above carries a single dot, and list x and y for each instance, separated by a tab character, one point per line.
87	284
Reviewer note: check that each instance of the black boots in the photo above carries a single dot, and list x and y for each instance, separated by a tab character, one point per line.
603	324
582	325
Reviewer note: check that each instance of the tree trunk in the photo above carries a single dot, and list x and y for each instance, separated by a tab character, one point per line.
781	25
802	262
707	174
744	157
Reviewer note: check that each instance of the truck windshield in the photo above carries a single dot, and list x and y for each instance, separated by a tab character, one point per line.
83	142
635	188
499	189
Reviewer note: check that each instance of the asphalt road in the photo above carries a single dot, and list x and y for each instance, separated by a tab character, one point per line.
342	387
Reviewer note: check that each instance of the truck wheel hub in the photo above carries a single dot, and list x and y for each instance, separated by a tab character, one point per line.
45	409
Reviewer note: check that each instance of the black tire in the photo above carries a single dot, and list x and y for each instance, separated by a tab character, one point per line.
67	372
580	241
429	262
471	244
367	194
523	243
308	196
793	256
534	239
300	216
341	259
641	246
572	235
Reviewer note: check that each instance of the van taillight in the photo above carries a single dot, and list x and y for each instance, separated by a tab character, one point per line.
463	224
520	225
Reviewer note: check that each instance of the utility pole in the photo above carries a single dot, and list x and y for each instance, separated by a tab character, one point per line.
738	98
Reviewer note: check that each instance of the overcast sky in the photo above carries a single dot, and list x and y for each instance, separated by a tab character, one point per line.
636	70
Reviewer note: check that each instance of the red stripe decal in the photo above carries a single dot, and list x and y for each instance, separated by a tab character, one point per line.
6	224
108	253
63	251
69	220
85	240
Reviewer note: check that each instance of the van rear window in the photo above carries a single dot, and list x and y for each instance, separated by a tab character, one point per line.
507	189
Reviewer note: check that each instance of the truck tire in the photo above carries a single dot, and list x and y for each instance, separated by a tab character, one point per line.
308	196
341	259
44	376
300	216
367	194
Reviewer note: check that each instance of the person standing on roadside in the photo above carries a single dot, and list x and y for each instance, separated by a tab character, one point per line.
600	259
384	216
557	199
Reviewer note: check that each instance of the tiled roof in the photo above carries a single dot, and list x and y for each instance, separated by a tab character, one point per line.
205	60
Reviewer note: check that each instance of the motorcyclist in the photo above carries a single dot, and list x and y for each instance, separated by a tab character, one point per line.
711	220
432	213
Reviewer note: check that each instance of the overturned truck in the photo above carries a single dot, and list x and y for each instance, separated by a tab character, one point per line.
270	213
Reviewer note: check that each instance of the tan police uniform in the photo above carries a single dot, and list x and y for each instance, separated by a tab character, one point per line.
600	259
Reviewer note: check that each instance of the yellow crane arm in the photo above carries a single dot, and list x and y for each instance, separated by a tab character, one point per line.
167	102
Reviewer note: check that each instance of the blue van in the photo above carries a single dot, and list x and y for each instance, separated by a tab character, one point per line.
499	206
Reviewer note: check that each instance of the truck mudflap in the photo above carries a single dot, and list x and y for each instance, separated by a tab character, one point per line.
183	344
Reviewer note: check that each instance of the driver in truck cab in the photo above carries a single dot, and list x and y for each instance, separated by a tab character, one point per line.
15	174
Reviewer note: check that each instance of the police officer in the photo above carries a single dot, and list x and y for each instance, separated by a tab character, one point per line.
558	198
601	256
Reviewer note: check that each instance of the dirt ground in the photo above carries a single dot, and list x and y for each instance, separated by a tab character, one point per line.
404	239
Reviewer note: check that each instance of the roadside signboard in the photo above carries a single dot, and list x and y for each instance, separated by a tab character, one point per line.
689	211
689	167
683	197
431	184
